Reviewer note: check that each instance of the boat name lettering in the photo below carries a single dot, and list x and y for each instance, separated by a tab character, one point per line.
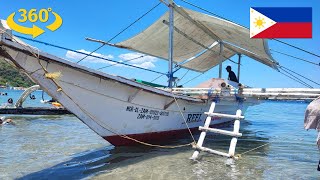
194	118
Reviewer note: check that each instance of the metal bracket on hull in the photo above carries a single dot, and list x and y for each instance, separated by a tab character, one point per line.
131	97
235	133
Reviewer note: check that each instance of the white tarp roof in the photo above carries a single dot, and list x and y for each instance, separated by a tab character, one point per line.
195	41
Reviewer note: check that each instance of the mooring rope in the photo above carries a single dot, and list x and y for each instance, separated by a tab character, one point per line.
185	74
296	47
300	75
102	124
157	78
122	31
301	82
53	76
99	57
205	10
200	44
184	119
193	78
295	57
296	77
112	130
253	149
122	62
293	46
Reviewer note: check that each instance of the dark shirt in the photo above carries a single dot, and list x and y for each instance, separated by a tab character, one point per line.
233	77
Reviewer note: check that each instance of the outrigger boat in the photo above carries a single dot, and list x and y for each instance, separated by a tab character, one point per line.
124	111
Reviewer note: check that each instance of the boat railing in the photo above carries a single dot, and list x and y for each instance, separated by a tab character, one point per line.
290	93
282	92
204	91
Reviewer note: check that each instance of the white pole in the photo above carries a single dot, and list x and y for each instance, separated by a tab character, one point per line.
203	133
239	63
234	140
170	52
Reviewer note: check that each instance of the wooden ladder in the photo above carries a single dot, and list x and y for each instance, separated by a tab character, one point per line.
235	133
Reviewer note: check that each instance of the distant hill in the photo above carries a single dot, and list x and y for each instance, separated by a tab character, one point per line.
10	75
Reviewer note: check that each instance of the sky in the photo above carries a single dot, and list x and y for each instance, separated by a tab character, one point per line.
101	19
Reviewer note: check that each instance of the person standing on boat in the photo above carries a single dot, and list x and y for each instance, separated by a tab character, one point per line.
232	76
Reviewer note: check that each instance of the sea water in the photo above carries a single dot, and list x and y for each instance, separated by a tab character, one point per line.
62	147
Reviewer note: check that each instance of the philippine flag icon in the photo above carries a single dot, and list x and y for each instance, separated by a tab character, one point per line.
281	22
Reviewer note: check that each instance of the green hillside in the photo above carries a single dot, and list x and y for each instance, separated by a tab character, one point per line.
10	75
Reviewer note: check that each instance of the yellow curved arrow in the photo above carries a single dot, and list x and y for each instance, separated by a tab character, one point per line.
34	31
56	24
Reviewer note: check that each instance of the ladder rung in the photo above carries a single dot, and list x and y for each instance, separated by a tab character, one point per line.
235	133
212	151
224	115
220	131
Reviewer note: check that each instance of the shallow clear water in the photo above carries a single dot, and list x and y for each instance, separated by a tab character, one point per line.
62	147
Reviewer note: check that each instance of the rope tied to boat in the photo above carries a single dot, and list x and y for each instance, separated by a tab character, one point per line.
56	75
184	119
238	156
53	75
110	129
134	22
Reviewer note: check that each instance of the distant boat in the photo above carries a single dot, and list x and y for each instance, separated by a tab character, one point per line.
121	109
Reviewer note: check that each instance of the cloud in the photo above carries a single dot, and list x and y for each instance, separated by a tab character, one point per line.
77	56
141	60
146	65
135	59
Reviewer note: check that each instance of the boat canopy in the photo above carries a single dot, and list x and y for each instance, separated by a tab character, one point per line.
200	41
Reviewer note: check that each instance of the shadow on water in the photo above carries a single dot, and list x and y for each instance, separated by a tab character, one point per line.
98	160
105	160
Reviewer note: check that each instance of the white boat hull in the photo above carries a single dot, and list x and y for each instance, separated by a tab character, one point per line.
113	106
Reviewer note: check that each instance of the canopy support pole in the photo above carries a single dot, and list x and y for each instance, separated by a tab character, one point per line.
220	65
220	70
239	64
170	51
